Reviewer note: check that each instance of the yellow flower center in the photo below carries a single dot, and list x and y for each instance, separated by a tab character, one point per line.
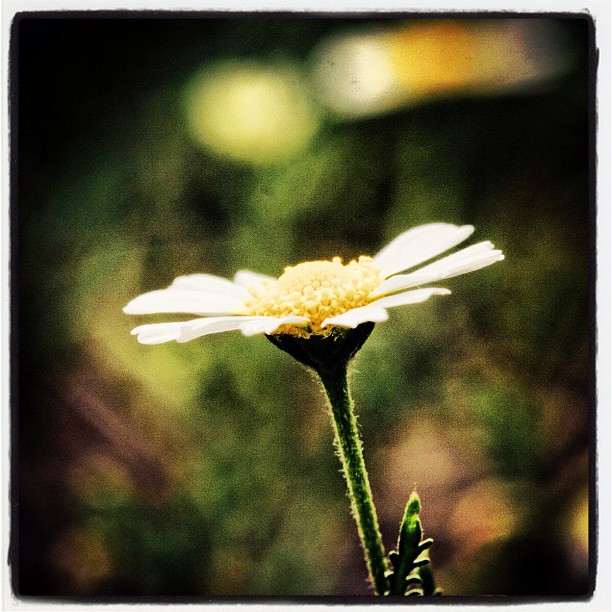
316	290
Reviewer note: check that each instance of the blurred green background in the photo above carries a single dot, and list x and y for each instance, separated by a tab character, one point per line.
207	469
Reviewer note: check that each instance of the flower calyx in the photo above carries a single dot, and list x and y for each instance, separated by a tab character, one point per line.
324	352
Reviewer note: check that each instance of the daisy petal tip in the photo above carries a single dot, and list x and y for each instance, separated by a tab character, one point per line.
129	308
326	323
144	338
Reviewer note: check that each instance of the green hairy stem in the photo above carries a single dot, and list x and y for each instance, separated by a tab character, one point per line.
335	381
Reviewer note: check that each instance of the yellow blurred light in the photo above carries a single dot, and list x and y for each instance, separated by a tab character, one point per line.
81	554
485	513
251	112
354	75
100	479
372	72
98	321
579	520
433	57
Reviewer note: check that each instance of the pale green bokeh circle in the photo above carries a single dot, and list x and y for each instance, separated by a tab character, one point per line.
251	112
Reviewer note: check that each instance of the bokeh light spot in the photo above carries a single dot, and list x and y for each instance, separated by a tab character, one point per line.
251	112
354	75
81	555
370	72
485	513
579	520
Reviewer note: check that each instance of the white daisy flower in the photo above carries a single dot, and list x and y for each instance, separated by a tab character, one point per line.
314	297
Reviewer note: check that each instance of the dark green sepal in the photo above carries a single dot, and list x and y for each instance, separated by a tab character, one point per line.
420	562
427	579
412	574
324	351
394	558
425	544
414	592
413	580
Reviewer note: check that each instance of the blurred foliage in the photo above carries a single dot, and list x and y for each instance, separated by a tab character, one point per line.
207	469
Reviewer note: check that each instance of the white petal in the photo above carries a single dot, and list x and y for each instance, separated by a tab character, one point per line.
209	284
246	278
177	300
420	244
467	260
157	333
357	316
210	325
268	325
463	261
249	325
409	297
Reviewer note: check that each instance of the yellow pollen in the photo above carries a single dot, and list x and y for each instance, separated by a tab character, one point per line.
316	290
